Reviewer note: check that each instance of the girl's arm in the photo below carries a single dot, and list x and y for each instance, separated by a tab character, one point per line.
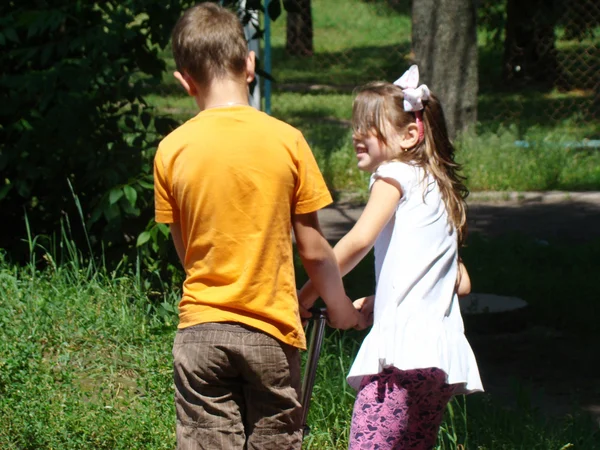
352	248
463	281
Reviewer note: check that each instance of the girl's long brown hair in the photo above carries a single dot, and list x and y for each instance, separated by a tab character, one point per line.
379	106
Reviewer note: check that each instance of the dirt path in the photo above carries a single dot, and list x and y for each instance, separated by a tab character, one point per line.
559	371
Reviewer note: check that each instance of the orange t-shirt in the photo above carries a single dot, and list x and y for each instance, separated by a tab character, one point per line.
233	177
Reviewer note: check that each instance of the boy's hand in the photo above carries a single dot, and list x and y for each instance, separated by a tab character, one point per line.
365	306
305	306
305	314
305	302
345	317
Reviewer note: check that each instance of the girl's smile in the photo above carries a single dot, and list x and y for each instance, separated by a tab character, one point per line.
369	151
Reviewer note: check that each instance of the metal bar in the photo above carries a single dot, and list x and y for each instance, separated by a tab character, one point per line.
267	57
310	370
250	30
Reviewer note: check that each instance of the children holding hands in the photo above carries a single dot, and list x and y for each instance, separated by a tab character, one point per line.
232	183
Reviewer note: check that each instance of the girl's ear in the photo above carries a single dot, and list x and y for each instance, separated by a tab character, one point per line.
410	137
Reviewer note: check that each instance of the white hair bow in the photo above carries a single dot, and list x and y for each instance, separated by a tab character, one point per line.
414	95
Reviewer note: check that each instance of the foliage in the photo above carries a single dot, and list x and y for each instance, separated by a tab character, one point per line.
491	18
74	114
77	137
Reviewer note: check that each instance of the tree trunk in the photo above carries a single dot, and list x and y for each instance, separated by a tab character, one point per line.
529	48
444	39
299	39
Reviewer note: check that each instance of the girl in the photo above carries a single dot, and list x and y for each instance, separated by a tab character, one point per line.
416	355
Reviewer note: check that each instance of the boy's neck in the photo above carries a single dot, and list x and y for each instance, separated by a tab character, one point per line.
223	92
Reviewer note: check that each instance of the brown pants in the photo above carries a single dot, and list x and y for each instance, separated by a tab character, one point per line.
235	388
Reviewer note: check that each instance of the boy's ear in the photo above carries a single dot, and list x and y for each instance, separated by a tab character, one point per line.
410	137
187	82
250	66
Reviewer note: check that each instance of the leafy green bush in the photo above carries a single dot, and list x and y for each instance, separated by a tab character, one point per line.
73	112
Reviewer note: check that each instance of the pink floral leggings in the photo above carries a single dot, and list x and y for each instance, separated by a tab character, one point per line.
397	410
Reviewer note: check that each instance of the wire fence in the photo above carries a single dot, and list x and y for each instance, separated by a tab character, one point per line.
539	61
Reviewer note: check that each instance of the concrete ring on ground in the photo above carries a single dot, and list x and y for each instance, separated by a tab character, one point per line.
491	313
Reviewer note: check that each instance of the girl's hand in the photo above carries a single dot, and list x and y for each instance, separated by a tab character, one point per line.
365	306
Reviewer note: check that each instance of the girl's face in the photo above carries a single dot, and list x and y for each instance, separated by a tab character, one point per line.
370	151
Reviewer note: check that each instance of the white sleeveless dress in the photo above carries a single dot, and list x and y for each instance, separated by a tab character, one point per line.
417	321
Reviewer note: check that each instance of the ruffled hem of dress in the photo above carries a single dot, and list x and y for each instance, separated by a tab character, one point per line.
419	346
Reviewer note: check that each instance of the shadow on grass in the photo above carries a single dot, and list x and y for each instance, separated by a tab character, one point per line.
573	95
330	137
402	7
346	68
527	105
529	108
325	139
541	252
165	88
578	67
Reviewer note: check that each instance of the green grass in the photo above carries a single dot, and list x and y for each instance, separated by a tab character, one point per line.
492	161
349	48
85	357
82	365
377	46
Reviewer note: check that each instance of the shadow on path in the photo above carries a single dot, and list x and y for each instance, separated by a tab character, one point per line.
567	221
556	370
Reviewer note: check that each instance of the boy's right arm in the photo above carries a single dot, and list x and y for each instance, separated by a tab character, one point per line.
322	268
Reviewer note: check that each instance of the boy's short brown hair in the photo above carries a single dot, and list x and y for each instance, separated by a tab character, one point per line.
209	42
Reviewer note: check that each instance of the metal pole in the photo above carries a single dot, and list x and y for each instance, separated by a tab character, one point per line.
267	56
253	44
310	370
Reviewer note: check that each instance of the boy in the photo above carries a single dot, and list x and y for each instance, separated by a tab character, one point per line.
232	182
